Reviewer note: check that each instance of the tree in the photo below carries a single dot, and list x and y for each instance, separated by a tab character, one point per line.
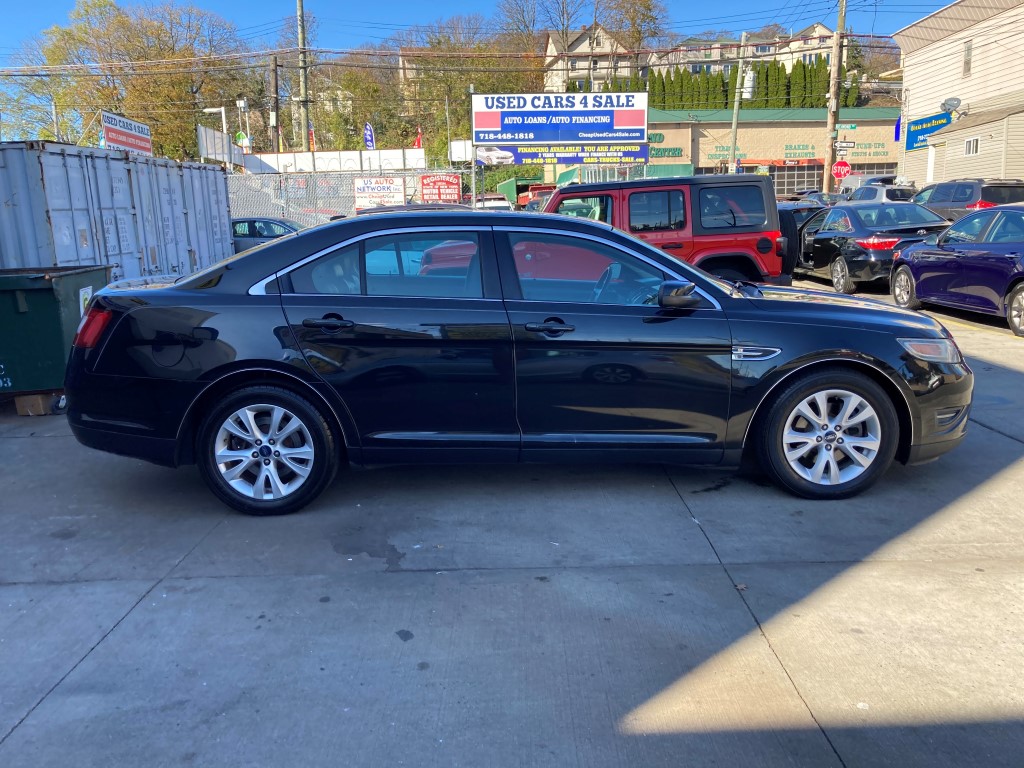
635	23
797	86
562	17
520	23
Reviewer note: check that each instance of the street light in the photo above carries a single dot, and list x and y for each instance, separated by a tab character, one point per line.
243	106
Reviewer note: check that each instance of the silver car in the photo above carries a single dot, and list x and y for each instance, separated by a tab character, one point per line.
252	231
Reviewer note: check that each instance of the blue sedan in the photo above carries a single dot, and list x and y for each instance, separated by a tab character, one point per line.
976	265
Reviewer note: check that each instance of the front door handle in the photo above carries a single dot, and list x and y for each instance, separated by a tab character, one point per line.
329	323
550	328
673	246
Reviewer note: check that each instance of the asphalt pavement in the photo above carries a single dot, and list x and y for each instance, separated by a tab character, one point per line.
518	615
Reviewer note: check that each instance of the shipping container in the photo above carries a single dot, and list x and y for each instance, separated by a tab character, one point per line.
69	206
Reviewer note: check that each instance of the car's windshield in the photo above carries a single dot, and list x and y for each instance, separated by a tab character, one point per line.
895	215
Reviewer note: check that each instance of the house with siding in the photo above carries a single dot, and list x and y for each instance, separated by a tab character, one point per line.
970	51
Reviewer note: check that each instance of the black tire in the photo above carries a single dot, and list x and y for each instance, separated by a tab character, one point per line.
305	432
840	274
795	471
903	290
1015	310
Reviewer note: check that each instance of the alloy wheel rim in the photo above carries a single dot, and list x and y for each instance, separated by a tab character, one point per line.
838	274
1016	313
902	288
264	452
831	437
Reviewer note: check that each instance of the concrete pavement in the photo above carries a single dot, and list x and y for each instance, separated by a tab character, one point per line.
518	616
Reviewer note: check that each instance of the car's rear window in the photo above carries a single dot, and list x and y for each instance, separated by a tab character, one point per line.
896	215
1003	194
899	194
733	206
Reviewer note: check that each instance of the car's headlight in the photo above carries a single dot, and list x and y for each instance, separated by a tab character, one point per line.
932	350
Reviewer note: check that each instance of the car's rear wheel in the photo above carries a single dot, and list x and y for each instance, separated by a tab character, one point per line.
904	292
1015	310
829	435
841	276
266	451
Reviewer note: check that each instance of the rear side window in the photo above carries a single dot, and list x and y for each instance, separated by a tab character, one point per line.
1002	194
241	229
899	194
654	211
737	205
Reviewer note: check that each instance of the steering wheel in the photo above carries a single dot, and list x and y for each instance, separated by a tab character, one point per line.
611	272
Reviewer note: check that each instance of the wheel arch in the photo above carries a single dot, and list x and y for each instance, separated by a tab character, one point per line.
743	263
247	377
898	397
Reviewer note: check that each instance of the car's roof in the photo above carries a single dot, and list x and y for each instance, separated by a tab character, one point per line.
790	205
667	181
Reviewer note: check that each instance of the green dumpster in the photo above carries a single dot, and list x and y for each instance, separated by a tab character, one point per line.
40	310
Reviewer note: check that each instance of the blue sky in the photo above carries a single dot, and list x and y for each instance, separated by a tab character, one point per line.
351	25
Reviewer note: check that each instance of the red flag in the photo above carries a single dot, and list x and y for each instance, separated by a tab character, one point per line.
418	144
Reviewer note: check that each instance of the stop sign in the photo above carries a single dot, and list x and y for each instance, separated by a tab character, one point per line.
841	169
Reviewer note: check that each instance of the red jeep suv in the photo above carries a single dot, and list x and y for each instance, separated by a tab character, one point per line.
727	225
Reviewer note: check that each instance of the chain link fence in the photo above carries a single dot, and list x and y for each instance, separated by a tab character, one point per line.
310	198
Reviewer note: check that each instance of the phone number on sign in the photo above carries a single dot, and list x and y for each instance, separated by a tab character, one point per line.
506	136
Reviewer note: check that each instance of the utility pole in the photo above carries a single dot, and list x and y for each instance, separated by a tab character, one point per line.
303	77
736	98
472	150
833	98
275	108
56	125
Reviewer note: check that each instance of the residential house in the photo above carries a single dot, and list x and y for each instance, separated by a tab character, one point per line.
588	54
968	51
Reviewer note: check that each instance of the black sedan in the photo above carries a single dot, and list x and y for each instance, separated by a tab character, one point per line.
543	339
853	243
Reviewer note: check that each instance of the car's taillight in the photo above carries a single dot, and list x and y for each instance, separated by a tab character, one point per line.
876	243
980	205
92	327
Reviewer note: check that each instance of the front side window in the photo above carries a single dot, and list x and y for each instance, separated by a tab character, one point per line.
265	228
737	205
567	269
837	221
943	193
967	229
657	211
924	195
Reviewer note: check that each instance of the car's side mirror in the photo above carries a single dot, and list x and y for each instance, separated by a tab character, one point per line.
932	239
677	294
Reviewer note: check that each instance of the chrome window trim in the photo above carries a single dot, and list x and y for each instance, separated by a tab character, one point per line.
661	267
260	288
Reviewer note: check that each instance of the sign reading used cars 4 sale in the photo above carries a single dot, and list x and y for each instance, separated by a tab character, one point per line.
124	134
560	118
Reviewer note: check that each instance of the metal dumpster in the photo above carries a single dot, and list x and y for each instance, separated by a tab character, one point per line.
40	310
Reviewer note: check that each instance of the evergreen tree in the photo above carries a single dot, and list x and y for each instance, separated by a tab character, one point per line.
687	100
730	93
797	86
761	87
853	94
702	90
671	97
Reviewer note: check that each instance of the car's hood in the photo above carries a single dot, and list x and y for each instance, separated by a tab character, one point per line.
823	307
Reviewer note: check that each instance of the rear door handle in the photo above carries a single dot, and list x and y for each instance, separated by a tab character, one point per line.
552	329
329	324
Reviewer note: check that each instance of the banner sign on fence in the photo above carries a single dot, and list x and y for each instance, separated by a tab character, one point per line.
560	118
441	188
126	135
372	191
564	154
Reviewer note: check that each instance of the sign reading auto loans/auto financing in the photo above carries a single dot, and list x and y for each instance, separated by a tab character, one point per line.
560	118
127	135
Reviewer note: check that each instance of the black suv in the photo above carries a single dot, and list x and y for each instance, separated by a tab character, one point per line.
958	197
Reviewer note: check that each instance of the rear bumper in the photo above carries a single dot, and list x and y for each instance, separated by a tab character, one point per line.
148	448
866	270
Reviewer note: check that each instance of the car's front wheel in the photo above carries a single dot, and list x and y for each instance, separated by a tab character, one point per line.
829	435
265	451
1015	310
904	292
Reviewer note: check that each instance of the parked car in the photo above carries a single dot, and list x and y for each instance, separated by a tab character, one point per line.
272	369
880	193
493	202
250	232
825	198
853	243
959	197
792	217
976	265
727	225
414	207
855	181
